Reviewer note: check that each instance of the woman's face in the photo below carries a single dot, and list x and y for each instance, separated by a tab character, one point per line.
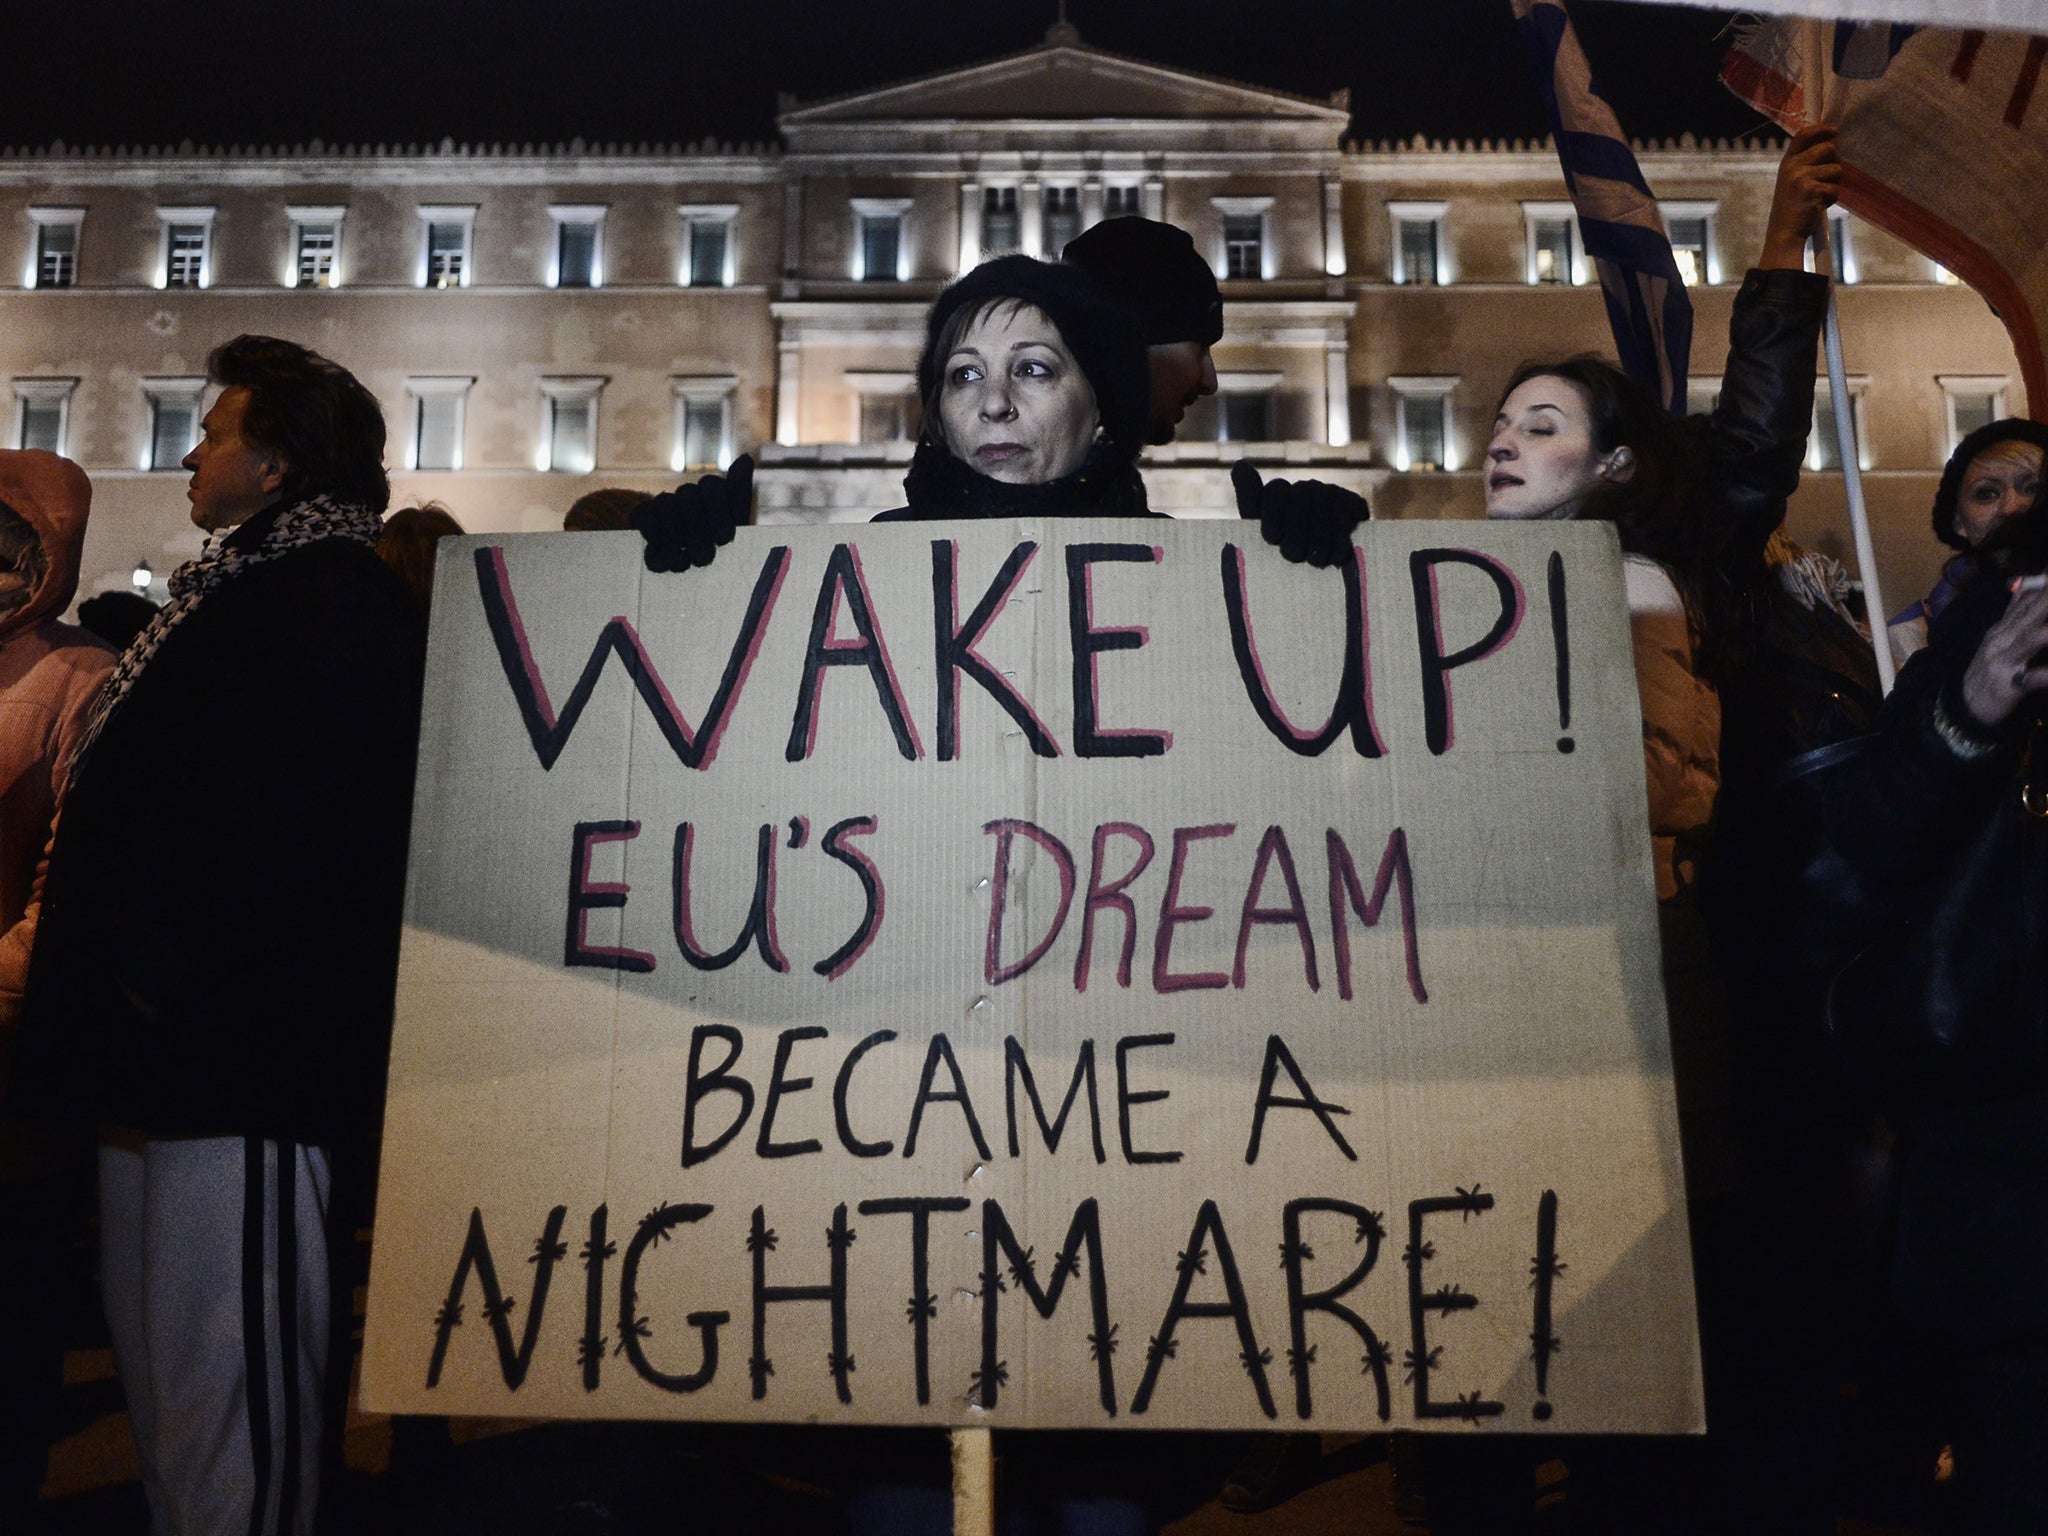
1542	462
1015	404
2000	484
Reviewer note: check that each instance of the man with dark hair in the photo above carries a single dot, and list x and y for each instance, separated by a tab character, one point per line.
212	978
607	510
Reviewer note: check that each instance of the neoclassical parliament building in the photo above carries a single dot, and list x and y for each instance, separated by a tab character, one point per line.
540	320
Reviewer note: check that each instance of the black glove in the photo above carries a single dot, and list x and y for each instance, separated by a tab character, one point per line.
684	527
1310	520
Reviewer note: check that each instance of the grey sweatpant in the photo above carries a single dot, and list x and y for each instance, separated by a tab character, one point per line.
213	1256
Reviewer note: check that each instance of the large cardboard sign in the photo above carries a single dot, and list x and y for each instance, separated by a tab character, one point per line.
1036	973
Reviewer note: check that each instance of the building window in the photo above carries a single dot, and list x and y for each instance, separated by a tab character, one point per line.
1121	200
438	408
707	244
1824	444
1551	232
880	252
1422	423
568	444
1244	236
55	263
445	246
886	407
886	418
1245	416
1690	228
1973	400
703	438
579	247
1062	218
42	413
317	244
173	421
1418	243
1001	230
1943	276
316	247
187	257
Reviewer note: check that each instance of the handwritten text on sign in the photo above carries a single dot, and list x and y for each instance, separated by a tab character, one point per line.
1034	973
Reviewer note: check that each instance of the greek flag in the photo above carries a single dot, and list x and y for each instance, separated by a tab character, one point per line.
1619	225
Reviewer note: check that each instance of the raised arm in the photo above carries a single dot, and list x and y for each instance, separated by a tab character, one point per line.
1757	434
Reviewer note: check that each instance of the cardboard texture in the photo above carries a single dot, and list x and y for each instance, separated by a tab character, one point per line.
814	976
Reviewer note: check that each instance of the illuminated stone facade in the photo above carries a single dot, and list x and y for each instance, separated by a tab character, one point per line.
542	320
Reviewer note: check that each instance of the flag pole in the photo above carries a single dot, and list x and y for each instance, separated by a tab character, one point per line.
1852	484
1875	612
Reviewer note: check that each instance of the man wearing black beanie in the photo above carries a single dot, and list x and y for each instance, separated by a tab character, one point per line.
1153	273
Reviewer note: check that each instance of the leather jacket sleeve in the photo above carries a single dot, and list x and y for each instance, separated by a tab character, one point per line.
1755	440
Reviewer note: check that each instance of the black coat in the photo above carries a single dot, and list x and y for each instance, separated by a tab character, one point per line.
1970	1245
220	931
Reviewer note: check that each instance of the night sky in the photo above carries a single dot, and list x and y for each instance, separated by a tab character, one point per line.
250	71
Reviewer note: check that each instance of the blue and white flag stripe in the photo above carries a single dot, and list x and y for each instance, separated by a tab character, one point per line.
1619	223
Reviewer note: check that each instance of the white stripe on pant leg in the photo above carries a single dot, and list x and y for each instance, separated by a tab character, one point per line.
311	1197
295	1274
191	1280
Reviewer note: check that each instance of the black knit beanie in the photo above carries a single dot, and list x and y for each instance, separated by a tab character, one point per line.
2014	429
1099	334
1154	271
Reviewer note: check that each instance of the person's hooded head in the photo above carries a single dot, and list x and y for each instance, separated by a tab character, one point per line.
1026	367
44	501
1990	483
1153	272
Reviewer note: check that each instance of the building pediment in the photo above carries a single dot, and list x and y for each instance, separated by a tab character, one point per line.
1062	80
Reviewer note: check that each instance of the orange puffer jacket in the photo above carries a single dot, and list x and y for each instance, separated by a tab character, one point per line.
50	673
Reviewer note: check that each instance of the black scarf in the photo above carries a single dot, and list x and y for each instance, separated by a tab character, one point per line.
940	486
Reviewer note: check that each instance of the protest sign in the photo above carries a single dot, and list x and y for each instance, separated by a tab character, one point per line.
1034	973
1937	126
2012	15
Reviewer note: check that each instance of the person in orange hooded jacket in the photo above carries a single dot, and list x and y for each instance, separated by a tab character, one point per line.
50	674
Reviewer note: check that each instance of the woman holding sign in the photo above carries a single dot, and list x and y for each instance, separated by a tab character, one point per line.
1036	394
1719	628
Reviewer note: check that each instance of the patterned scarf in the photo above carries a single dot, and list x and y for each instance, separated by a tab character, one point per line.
306	522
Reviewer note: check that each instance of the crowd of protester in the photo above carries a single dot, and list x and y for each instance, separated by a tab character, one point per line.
1852	905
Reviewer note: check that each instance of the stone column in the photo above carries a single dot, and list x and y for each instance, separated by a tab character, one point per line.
788	364
1031	216
1334	263
970	224
1337	387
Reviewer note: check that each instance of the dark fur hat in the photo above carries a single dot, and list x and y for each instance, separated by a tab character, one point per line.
2014	429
